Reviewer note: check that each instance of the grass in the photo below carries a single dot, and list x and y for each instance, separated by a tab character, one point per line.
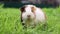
10	22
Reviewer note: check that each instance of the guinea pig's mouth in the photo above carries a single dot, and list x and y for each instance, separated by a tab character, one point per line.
28	18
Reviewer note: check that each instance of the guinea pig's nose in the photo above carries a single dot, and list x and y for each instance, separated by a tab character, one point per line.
28	15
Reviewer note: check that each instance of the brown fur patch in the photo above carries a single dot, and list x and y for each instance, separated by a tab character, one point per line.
33	9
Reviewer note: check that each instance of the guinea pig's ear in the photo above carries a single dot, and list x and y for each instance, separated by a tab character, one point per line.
22	9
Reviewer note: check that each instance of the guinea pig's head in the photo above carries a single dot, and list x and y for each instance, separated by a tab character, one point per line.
28	12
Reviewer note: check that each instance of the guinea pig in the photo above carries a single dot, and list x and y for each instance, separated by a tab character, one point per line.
32	15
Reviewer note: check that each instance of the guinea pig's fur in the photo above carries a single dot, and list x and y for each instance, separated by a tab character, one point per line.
32	15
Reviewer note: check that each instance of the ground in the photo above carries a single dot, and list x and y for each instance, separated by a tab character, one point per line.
10	22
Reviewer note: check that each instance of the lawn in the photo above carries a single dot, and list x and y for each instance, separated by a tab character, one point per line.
10	22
